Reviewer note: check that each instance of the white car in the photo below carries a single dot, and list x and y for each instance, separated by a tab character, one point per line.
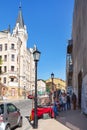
10	116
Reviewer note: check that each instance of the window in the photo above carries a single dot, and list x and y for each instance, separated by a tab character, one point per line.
0	57
4	80
0	47
0	60
12	79
0	70
5	68
12	57
12	68
1	108
5	57
5	46
11	108
12	46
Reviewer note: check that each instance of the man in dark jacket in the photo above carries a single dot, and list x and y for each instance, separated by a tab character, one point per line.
68	102
74	99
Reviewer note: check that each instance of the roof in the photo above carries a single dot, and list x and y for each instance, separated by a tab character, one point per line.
20	18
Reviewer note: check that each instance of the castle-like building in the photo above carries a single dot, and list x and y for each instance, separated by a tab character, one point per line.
17	69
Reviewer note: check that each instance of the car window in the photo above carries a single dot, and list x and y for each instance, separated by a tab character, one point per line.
1	109
11	108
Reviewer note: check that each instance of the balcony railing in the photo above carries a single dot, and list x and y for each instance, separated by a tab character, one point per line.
70	46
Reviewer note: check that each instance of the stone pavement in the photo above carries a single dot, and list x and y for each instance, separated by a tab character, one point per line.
50	124
67	120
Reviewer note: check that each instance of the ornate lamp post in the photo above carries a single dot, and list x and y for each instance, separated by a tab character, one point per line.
36	55
52	77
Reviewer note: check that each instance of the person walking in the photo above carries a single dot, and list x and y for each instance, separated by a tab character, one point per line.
64	101
55	108
74	99
68	102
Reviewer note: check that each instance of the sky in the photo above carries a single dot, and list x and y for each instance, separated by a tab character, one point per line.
49	26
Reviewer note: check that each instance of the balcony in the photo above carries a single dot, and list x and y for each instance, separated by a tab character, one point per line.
69	75
69	47
71	69
13	84
69	82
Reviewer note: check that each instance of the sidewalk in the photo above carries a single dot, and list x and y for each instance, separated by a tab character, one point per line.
50	124
67	120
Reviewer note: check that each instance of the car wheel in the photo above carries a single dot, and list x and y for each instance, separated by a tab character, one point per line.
20	123
8	127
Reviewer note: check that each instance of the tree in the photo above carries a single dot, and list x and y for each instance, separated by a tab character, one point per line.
47	88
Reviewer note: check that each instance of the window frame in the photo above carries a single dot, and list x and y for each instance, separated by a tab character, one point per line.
0	47
6	46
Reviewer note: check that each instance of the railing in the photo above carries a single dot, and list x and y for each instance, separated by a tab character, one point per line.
70	46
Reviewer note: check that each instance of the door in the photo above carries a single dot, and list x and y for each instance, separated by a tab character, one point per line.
13	114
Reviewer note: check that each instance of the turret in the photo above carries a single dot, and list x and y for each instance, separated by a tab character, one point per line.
20	29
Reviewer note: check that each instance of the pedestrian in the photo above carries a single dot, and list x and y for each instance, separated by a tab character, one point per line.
74	99
55	108
64	101
68	102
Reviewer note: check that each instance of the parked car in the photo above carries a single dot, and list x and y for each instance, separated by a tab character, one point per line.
30	97
10	116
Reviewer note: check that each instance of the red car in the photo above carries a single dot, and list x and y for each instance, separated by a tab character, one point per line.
41	111
30	97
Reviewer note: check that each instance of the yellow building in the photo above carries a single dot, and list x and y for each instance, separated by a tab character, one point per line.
57	84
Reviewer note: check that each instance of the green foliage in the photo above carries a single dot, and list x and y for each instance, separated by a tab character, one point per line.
47	88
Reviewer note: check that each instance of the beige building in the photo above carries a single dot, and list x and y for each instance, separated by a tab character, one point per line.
78	53
57	83
17	68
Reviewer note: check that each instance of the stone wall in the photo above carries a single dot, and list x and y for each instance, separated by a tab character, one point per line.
79	36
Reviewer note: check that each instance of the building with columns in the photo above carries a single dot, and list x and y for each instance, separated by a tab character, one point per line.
17	69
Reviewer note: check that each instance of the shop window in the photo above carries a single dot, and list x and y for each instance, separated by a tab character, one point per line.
13	92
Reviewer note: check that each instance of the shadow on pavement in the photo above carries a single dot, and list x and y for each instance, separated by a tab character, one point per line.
73	119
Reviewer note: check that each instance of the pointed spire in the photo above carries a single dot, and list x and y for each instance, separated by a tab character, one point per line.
20	18
9	28
20	5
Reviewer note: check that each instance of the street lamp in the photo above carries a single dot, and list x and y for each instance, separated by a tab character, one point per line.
52	77
36	55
